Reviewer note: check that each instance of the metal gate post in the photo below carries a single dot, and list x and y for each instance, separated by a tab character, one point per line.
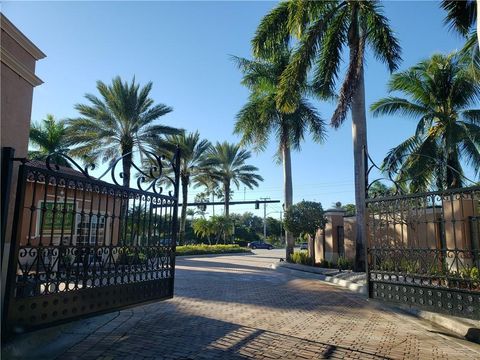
175	214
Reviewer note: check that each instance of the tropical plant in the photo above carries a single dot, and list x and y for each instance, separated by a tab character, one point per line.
323	29
117	123
260	117
350	209
461	17
203	228
302	258
225	163
211	188
49	136
441	93
192	151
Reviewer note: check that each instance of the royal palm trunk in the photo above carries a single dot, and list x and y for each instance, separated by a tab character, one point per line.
359	136
288	195
226	193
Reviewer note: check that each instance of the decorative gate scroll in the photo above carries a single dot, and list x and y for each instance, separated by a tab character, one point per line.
85	246
423	249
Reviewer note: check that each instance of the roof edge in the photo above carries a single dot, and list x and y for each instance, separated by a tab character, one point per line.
20	38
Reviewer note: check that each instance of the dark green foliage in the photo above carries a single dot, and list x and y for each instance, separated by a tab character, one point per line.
461	15
350	209
305	217
117	123
344	264
209	249
260	117
301	257
442	94
225	164
322	29
49	136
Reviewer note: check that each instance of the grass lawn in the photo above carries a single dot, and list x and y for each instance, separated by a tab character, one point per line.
210	249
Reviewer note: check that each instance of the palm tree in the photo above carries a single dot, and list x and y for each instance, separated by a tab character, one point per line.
117	123
204	228
50	136
225	163
211	187
462	16
323	28
440	93
192	152
260	117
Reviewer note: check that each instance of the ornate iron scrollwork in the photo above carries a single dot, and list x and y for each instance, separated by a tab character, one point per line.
85	245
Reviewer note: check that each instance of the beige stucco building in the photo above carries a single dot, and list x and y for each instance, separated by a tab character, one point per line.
18	59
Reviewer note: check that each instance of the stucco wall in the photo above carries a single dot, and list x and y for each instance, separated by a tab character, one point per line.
18	58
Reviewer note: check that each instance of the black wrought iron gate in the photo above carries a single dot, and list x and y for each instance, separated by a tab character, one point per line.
85	246
423	250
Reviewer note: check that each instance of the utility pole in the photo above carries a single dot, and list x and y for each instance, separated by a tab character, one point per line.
265	218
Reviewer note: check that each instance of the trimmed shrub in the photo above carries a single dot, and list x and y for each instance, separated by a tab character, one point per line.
301	257
209	249
343	263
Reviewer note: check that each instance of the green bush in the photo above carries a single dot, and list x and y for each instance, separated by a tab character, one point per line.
301	257
470	273
202	249
409	266
326	264
343	263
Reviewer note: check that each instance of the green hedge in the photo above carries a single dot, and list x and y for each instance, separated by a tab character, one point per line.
210	249
301	257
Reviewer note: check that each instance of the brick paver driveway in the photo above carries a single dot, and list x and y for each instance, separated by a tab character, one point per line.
235	307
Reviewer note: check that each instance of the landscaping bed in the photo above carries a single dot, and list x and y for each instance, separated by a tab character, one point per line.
210	249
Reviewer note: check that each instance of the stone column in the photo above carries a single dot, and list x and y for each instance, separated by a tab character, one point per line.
334	220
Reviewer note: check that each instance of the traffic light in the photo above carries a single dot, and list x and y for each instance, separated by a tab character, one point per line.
257	205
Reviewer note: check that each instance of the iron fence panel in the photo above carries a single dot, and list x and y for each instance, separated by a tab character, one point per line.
423	250
85	246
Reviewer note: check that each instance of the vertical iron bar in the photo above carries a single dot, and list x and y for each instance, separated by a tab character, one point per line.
175	218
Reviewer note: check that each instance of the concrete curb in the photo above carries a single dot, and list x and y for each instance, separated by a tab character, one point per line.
465	328
324	276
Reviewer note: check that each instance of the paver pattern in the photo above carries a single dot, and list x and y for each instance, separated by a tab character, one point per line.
235	307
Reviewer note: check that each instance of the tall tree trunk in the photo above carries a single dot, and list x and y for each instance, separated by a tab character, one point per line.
126	166
359	135
288	195
183	216
213	205
226	194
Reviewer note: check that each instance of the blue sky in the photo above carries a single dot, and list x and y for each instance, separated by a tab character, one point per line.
184	48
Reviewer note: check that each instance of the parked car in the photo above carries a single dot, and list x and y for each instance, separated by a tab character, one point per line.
304	246
259	245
